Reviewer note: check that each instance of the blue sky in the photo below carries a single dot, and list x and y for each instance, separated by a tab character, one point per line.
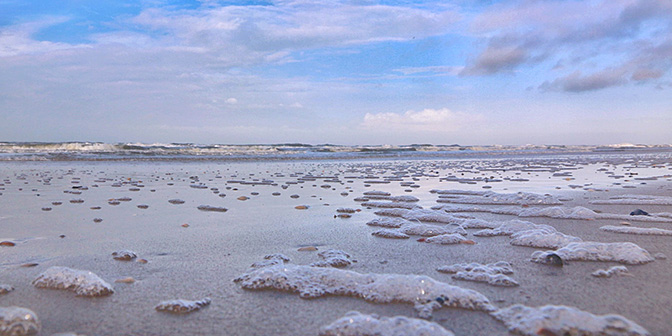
346	72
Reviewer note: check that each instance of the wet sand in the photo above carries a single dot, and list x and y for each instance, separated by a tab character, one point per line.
201	259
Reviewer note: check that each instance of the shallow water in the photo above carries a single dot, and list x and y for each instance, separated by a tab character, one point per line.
201	259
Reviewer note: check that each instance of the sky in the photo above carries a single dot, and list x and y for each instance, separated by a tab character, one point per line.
341	71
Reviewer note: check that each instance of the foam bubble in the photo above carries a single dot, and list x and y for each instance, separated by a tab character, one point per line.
313	282
636	230
490	197
388	205
180	306
18	321
392	234
563	320
493	274
333	258
358	324
387	222
447	239
608	273
510	227
624	252
542	239
83	283
636	200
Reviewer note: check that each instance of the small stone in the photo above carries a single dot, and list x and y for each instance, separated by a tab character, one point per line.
143	206
185	225
46	209
124	255
61	236
639	212
4	289
127	280
97	220
625	223
301	207
29	265
142	261
176	201
7	243
307	248
243	198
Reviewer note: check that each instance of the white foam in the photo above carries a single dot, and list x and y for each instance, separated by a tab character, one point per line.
542	239
180	306
500	267
478	224
493	274
83	283
333	258
389	233
358	324
390	205
18	321
624	252
423	215
636	230
376	193
402	198
429	230
512	226
313	282
608	273
447	239
490	197
387	222
560	212
636	200
562	320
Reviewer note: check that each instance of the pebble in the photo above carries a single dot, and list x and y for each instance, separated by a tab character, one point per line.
4	289
124	255
142	261
97	220
307	248
7	243
211	208
243	198
127	280
176	201
185	225
46	209
301	207
143	206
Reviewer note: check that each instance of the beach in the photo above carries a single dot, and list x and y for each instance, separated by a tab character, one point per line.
76	214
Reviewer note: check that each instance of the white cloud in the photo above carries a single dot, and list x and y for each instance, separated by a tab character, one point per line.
427	120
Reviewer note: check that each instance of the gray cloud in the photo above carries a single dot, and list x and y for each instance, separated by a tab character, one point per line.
577	82
623	36
497	59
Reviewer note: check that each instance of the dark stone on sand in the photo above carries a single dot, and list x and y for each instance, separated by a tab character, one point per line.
639	212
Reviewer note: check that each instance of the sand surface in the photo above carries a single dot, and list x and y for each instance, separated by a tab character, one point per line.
201	259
